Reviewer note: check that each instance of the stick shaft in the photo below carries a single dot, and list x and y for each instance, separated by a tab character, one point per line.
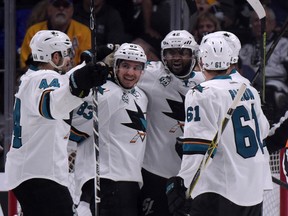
95	110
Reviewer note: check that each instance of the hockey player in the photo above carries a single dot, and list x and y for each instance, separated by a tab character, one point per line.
234	180
166	82
122	138
36	165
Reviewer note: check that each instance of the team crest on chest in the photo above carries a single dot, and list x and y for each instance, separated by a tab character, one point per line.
165	80
138	123
177	113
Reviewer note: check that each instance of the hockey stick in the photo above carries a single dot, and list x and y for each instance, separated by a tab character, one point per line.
216	139
273	46
280	182
95	110
260	11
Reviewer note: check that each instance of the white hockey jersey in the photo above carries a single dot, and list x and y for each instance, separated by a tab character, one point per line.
40	135
238	170
122	135
165	117
237	77
122	138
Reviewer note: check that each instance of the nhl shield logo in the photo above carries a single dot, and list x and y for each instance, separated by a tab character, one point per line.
165	80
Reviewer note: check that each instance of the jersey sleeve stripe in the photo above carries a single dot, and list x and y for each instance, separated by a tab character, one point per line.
77	136
44	105
196	146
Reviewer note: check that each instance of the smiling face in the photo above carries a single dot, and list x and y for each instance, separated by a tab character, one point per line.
178	60
129	72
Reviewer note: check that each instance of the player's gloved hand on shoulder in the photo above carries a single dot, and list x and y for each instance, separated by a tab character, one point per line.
176	196
102	52
87	77
105	50
109	59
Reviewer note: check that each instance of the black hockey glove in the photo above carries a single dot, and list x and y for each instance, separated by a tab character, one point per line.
185	209
102	51
105	53
86	56
105	50
278	135
176	196
83	79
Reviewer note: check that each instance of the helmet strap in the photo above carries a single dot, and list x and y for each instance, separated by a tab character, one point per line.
60	67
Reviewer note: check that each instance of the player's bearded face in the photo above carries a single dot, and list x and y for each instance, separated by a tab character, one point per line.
178	60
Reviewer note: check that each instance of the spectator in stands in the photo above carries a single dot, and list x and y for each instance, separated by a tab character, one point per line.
38	13
129	11
151	47
206	23
156	18
59	17
276	67
236	18
204	6
281	11
109	25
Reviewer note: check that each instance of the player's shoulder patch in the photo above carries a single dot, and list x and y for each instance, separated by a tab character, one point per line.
198	88
165	80
154	65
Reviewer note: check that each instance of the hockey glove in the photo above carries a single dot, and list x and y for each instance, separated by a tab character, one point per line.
105	50
86	56
278	135
109	60
185	209
102	52
83	79
175	192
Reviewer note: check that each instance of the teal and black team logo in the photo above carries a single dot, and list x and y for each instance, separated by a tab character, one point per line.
138	122
178	113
